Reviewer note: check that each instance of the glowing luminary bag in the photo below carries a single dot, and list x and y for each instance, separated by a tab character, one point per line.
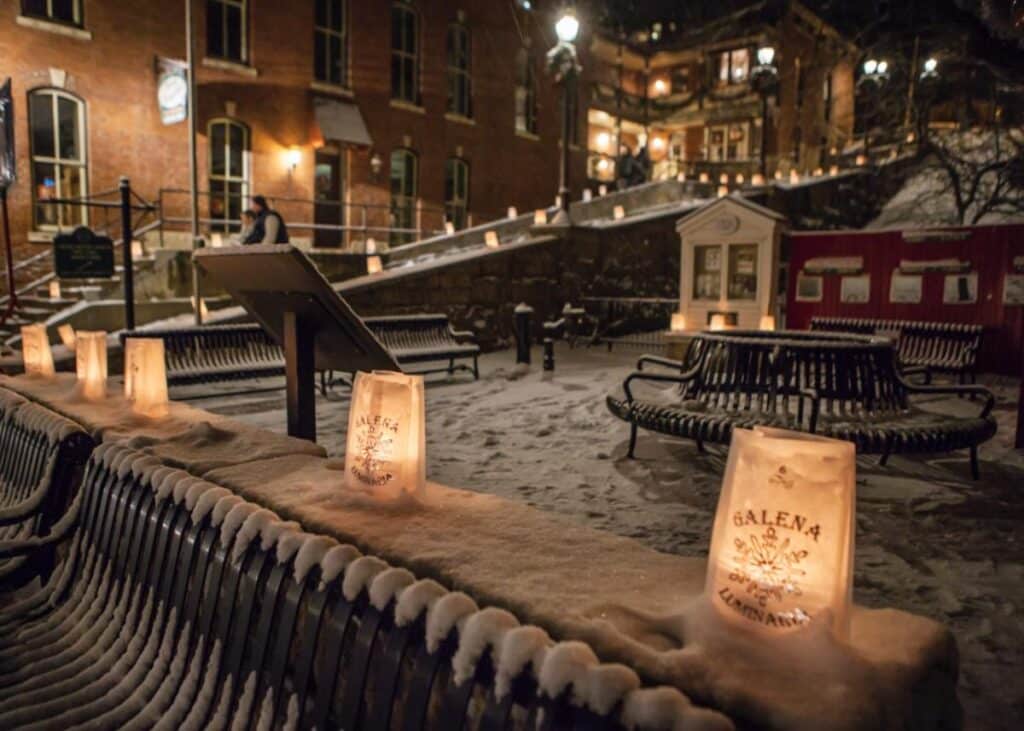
91	364
35	351
782	544
386	442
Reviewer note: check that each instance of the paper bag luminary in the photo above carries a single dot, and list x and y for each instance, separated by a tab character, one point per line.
91	364
67	336
767	322
678	322
782	544
145	376
35	351
385	452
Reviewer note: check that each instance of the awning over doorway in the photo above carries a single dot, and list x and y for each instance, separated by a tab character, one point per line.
341	122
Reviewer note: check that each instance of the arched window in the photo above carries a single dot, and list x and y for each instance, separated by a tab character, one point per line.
330	43
229	172
57	139
405	53
456	191
460	88
403	196
526	93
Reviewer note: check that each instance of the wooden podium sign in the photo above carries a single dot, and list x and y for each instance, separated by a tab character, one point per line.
283	290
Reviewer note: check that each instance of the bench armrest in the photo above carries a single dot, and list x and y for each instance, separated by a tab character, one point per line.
463	334
680	378
959	390
658	360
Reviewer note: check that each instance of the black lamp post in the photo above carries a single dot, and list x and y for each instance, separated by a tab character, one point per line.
764	78
876	73
564	65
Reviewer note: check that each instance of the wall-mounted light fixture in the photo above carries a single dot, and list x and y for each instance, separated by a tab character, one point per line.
292	157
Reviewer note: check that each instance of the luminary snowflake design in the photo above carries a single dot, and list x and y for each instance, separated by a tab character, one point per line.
782	545
767	568
375	449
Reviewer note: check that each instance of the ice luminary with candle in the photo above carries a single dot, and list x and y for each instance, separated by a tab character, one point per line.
35	351
385	450
782	543
91	364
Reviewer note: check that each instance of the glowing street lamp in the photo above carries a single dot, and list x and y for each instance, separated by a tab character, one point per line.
564	66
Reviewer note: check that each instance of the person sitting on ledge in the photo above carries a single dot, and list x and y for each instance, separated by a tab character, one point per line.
269	227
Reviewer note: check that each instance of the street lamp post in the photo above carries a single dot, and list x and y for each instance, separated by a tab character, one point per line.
564	66
765	79
876	73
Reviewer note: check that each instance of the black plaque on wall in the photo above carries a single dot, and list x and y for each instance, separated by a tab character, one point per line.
83	255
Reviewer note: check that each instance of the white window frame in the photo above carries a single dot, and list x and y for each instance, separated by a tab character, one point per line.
329	33
526	93
716	154
404	201
82	162
48	16
459	199
409	96
243	34
457	72
224	180
730	55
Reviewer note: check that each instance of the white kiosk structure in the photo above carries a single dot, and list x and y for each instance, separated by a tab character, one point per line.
729	266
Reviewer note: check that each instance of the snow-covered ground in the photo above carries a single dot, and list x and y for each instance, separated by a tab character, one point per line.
929	541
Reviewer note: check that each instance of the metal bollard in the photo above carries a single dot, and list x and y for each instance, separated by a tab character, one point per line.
549	354
523	314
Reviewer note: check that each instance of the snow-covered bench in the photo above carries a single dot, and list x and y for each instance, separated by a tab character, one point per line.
928	347
245	351
179	603
841	386
41	459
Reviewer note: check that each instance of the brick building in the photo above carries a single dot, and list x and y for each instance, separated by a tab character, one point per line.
372	115
688	95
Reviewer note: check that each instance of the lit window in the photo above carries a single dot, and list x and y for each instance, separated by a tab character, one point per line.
403	196
526	93
733	66
456	192
728	142
229	172
225	29
405	54
57	132
330	43
59	11
459	81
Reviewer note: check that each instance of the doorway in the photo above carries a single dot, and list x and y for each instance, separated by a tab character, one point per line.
329	198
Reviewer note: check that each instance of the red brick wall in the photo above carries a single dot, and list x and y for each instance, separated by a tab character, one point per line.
114	74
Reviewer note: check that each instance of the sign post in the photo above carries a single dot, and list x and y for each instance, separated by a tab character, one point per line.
129	264
8	173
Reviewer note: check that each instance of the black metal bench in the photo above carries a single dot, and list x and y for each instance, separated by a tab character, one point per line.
243	352
180	604
842	386
926	347
42	456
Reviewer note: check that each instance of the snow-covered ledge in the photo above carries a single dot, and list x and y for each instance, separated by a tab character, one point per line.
631	604
203	441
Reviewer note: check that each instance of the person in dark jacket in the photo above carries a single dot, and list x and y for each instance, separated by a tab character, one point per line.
269	227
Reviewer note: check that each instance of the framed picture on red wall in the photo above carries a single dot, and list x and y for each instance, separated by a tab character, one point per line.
905	288
960	289
809	288
855	290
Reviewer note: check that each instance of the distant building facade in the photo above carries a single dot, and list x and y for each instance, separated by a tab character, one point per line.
389	118
689	99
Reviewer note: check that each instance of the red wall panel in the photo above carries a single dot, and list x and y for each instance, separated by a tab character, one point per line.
990	249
